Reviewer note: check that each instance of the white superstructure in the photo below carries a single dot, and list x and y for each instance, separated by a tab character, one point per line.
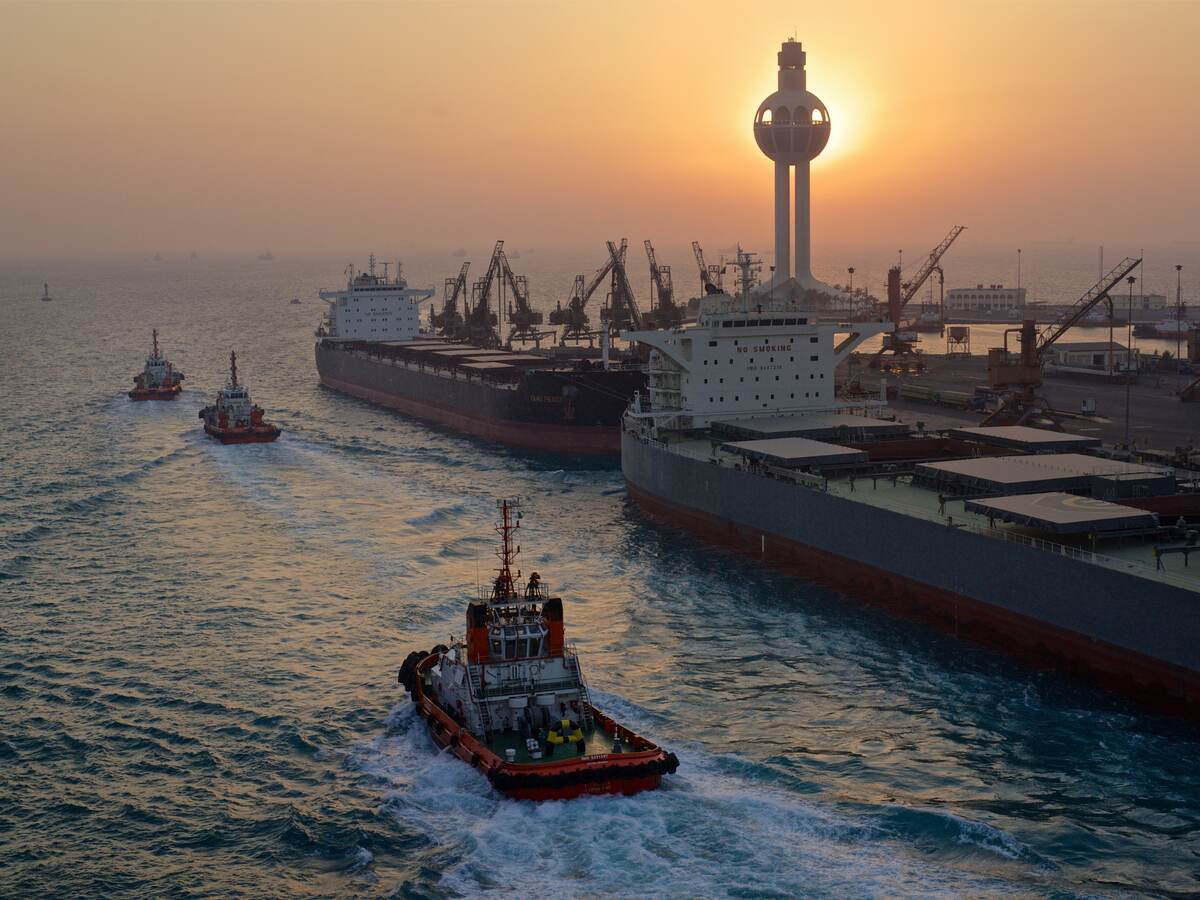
374	307
746	357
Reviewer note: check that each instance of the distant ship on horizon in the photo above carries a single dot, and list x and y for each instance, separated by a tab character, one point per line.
46	298
266	257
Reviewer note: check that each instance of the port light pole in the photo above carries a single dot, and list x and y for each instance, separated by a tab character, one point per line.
1128	354
1018	268
1178	322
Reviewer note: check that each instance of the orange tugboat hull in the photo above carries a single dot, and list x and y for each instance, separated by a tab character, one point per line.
164	393
630	772
257	434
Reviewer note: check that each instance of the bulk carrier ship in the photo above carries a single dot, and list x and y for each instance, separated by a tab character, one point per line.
370	345
1023	538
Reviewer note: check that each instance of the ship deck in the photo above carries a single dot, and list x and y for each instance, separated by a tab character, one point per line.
1132	552
596	743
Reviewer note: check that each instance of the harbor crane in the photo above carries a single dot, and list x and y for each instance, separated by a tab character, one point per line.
664	312
900	292
1019	380
574	317
523	319
621	310
481	320
449	321
710	276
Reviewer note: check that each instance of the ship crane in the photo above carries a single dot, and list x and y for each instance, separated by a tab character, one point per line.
622	311
1019	380
664	312
899	293
449	322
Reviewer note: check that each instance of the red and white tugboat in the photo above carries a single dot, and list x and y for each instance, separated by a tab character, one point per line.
233	419
510	699
158	380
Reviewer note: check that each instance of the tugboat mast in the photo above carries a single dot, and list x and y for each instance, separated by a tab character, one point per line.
233	368
504	590
154	337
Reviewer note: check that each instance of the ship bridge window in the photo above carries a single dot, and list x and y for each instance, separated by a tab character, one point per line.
739	323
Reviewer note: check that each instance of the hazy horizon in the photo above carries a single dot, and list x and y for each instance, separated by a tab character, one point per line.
313	129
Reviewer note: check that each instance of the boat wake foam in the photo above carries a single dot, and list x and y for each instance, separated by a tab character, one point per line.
706	832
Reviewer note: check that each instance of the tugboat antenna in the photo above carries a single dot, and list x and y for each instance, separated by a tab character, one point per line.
233	367
504	589
154	337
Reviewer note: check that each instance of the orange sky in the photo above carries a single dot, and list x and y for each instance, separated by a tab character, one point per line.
231	128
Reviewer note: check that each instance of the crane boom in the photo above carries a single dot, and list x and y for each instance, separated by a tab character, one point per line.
621	281
705	280
660	277
928	266
1084	304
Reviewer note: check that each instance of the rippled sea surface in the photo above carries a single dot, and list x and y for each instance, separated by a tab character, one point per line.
199	644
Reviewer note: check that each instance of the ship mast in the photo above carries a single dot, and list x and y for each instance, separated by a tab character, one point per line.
233	368
154	338
503	590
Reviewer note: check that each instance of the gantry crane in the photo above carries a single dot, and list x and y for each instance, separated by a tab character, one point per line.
663	313
1020	379
449	322
900	292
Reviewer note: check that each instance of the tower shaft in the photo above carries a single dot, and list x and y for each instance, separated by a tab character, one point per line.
783	261
803	261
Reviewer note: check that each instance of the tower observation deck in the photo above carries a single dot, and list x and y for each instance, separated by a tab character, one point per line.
792	128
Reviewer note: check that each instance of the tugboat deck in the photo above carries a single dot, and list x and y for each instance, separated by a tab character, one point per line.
595	743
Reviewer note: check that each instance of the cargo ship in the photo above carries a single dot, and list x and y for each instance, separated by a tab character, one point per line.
510	698
370	345
234	418
1036	542
158	379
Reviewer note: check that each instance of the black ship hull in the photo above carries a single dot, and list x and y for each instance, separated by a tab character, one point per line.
573	411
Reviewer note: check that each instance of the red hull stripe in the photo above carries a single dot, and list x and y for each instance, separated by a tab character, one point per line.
578	440
1159	685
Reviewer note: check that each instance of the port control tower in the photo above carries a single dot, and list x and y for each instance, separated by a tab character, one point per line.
792	128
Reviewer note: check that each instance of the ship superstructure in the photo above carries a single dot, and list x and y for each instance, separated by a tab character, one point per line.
1035	541
510	697
373	307
745	356
158	379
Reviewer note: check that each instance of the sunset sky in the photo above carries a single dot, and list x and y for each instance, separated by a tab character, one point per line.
231	128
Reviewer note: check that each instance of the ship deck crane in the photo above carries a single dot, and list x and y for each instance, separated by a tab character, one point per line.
449	322
663	313
899	293
1020	379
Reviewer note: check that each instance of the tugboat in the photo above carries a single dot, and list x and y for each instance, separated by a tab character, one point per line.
233	419
510	699
158	380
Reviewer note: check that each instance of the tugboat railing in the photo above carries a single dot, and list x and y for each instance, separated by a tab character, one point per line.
571	658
